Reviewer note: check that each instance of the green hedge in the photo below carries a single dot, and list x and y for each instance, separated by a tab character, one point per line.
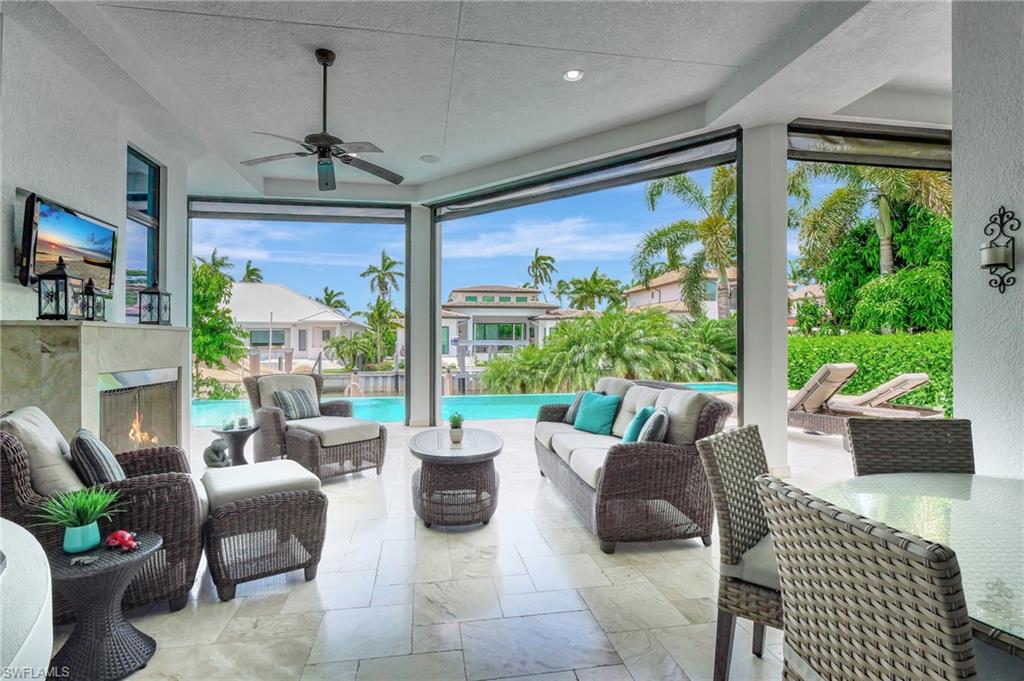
878	359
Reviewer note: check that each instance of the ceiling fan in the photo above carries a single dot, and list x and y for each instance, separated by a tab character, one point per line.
327	147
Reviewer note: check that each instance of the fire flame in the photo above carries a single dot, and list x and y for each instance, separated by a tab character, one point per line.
138	435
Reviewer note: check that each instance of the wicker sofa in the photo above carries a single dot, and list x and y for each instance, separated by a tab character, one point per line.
333	444
158	495
641	491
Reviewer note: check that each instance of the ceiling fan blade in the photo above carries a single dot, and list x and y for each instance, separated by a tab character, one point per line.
372	168
358	148
325	175
282	137
276	157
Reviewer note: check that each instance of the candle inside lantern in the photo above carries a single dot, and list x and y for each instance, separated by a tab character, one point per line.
995	256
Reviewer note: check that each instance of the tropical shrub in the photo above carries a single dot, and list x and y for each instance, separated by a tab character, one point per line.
209	388
879	359
911	299
215	336
809	316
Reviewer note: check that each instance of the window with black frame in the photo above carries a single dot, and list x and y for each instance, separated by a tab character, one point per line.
142	229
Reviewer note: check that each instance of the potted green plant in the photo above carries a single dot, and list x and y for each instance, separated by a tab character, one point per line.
455	421
78	512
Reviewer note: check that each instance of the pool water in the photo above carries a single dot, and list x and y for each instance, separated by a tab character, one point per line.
214	413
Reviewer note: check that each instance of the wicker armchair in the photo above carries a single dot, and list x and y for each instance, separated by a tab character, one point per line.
275	439
648	491
157	495
862	600
910	446
732	460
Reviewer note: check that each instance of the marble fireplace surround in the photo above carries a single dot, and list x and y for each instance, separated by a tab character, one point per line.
56	366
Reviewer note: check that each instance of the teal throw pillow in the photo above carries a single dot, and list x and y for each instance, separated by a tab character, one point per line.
632	433
597	413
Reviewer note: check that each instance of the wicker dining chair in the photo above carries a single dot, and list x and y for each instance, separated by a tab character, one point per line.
732	460
910	446
866	601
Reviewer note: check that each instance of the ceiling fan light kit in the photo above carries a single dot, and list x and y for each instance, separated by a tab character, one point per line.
327	147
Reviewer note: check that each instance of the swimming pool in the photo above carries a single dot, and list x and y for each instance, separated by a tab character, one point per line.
214	413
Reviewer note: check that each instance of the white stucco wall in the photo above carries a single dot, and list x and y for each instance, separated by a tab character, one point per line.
988	171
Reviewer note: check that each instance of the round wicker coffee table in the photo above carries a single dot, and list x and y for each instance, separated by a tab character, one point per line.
457	483
103	646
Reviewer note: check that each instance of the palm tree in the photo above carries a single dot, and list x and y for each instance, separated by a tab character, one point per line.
252	274
540	270
382	318
561	290
333	299
714	233
384	277
586	293
219	263
348	348
824	226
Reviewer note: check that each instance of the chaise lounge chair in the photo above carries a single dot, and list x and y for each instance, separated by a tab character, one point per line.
816	409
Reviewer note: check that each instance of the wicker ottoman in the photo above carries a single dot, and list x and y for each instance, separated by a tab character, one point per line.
265	519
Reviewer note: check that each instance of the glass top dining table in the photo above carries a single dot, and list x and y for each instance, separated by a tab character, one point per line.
981	518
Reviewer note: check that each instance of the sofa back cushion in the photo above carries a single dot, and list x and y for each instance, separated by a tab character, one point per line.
597	413
635	399
94	460
268	385
684	408
48	452
609	385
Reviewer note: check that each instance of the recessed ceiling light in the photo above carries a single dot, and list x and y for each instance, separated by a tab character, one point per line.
573	75
430	158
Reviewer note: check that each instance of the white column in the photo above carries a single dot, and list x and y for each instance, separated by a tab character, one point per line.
423	268
988	346
764	289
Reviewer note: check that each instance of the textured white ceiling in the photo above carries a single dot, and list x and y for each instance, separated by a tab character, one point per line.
933	75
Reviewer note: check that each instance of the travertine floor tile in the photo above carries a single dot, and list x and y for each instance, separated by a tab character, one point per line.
360	633
456	601
555	573
421	667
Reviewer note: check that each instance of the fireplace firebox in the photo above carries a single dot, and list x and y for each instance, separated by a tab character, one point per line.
139	409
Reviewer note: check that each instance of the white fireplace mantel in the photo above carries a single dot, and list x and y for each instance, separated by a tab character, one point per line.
55	366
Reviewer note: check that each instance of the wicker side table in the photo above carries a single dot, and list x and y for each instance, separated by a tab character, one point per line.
237	437
103	646
457	483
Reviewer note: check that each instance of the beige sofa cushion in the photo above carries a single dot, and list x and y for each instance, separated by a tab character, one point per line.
204	500
544	430
564	444
48	452
684	408
337	430
637	397
268	384
227	485
614	386
588	463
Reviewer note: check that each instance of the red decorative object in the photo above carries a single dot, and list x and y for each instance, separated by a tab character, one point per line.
122	539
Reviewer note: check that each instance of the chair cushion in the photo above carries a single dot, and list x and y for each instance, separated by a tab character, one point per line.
821	387
544	430
296	404
684	408
636	398
632	433
995	664
228	485
49	456
267	385
613	386
204	500
574	408
588	463
94	461
564	444
337	430
655	428
597	413
757	565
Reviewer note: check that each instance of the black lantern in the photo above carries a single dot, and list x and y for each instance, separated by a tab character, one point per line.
88	304
100	309
54	292
154	306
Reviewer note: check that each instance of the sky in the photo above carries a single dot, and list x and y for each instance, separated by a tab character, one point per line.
599	229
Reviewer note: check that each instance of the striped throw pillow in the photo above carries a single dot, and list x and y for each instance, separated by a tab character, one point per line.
296	404
95	462
570	414
656	427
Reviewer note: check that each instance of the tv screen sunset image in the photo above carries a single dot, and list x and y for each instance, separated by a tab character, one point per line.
86	246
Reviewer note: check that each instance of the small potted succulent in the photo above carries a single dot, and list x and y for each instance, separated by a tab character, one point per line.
78	513
455	421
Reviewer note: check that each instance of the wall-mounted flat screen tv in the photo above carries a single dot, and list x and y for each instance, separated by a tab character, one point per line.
52	231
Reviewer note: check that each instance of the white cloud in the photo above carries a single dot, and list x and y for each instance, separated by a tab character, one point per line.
577	238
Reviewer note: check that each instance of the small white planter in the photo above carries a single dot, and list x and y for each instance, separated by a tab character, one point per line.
455	434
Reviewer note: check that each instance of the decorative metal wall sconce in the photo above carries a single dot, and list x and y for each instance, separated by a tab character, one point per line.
998	254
